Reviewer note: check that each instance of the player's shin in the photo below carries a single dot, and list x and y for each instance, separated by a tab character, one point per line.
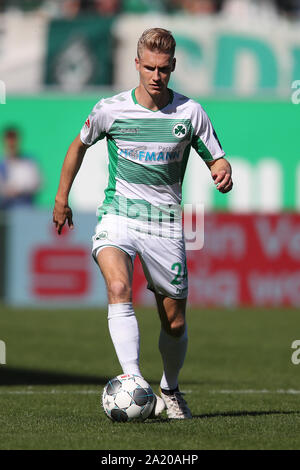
173	351
124	332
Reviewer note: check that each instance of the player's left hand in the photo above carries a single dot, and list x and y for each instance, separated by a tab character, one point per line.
222	180
221	174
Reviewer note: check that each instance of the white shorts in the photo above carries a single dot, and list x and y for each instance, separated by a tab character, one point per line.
163	259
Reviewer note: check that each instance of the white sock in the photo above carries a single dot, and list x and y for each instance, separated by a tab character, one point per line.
173	350
124	332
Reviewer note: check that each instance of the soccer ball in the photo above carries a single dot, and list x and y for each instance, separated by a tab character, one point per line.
127	397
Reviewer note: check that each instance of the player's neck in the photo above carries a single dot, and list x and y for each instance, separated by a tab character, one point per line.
12	156
154	103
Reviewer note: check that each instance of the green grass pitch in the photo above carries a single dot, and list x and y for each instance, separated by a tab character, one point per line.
240	383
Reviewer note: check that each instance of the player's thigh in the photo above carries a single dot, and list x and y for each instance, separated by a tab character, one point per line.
115	264
114	251
164	264
117	269
171	313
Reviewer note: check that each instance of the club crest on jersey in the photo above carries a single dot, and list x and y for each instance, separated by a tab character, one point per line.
102	235
179	130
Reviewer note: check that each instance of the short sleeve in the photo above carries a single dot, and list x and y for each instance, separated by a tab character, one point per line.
94	128
205	140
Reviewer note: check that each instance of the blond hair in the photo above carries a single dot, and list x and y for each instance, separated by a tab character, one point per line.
156	39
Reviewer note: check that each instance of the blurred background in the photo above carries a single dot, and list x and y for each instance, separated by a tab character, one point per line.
239	58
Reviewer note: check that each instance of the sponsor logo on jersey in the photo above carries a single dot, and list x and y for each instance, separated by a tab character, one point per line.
179	130
87	123
128	130
142	155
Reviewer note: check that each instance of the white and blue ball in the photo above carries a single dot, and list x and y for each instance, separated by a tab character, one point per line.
127	397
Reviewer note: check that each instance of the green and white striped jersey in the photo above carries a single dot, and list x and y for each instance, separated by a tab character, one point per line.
148	151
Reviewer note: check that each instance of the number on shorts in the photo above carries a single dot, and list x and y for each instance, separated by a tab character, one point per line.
178	267
178	277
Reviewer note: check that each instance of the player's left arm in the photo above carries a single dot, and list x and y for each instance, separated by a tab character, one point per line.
221	174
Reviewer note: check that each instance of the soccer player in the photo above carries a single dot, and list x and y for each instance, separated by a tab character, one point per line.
149	130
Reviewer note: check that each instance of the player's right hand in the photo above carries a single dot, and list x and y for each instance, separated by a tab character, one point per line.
61	213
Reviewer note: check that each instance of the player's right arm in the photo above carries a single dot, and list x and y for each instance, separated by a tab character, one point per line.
94	129
73	160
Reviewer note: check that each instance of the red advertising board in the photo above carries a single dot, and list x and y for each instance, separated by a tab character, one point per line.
60	269
246	259
48	269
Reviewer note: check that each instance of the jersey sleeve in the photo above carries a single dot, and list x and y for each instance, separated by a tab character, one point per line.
205	140
94	128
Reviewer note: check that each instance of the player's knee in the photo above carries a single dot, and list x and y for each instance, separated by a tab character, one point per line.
119	290
177	327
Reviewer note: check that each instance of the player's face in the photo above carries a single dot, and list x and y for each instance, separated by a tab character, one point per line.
11	145
155	69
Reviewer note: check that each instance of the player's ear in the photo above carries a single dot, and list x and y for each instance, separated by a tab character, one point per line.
173	64
137	63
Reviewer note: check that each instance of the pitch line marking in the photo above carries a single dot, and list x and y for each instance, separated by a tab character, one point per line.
263	391
49	392
54	391
290	391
